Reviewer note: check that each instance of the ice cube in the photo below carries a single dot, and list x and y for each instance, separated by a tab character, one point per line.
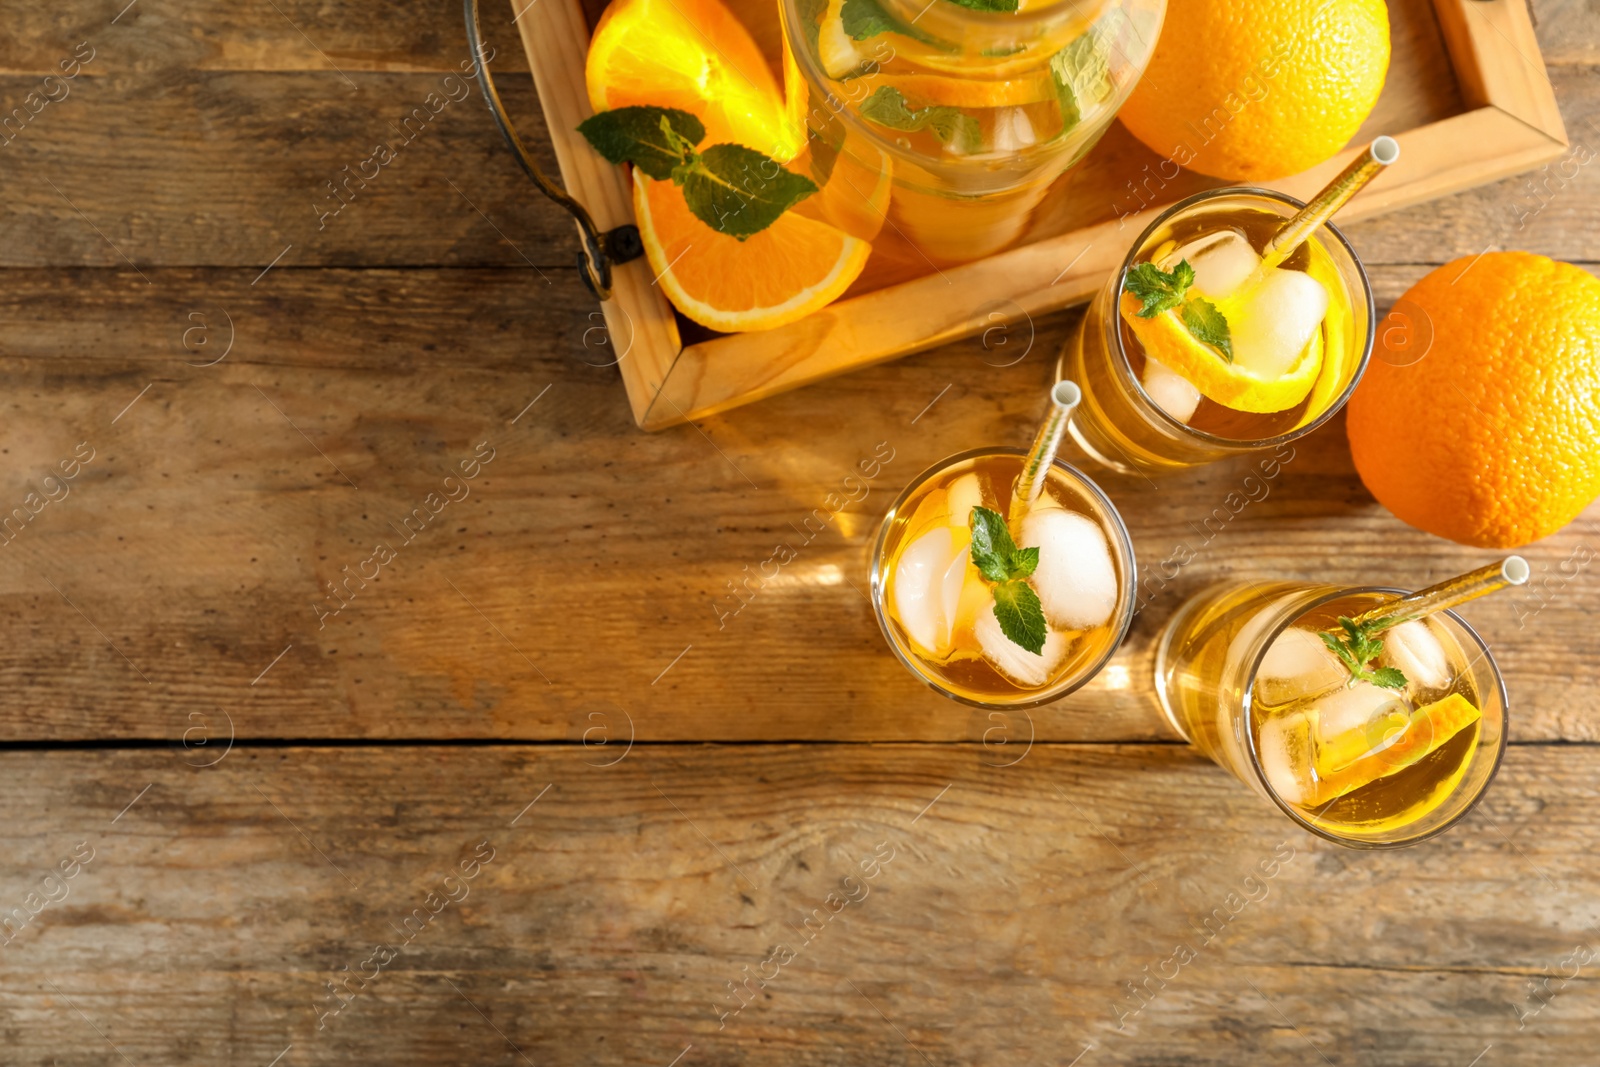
976	599
1274	321
1286	757
1170	390
1222	262
1297	666
1075	579
1014	661
1012	130
1354	725
964	494
1413	647
836	48
919	581
1355	708
952	582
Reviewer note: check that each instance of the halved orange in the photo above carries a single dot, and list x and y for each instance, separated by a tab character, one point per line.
783	273
693	55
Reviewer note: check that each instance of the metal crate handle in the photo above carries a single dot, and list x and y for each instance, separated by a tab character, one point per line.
600	250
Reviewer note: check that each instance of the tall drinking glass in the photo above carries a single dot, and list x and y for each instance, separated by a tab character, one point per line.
1243	673
938	613
1138	415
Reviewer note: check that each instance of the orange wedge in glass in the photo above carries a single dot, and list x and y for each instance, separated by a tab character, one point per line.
1391	745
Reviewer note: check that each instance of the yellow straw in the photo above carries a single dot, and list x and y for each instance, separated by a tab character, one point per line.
1064	396
1513	570
1365	167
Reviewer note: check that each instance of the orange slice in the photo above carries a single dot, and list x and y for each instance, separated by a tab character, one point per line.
1338	326
781	274
941	90
1393	745
1169	341
693	55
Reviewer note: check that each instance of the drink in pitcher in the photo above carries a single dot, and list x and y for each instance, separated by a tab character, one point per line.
1368	731
953	589
951	118
1207	344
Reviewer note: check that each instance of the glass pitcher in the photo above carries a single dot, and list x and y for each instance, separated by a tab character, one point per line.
937	126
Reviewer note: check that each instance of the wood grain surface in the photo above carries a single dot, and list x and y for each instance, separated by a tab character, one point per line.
267	787
590	566
714	900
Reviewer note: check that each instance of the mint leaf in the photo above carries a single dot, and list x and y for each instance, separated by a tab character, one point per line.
738	191
1359	647
1159	290
987	5
1082	77
993	551
1389	678
1337	647
997	557
867	18
887	107
1021	617
1208	325
811	13
651	138
824	152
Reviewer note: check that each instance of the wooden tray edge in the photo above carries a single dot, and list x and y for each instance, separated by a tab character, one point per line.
1515	125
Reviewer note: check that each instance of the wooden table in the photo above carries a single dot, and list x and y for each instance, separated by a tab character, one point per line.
693	836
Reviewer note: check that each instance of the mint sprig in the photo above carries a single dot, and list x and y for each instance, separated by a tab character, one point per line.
735	190
1162	290
738	191
1159	290
650	138
1208	325
1082	77
887	107
1358	647
997	557
867	18
987	5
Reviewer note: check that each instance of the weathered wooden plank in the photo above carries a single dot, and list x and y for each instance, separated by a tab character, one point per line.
310	35
1000	916
285	35
226	168
1569	32
588	557
180	167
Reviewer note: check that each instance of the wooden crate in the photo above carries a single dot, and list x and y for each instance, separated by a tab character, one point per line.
1467	97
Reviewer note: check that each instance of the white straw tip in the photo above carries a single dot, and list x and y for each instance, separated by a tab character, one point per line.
1066	394
1385	150
1515	570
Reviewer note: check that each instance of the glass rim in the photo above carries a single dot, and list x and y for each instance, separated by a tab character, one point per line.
1356	842
1125	591
1231	443
978	163
1032	17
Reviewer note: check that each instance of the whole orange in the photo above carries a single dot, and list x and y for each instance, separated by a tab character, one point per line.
1479	416
1254	90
